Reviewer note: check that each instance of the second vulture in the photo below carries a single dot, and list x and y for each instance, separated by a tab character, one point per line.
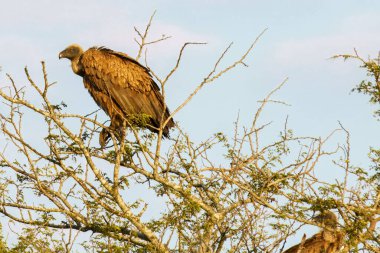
328	240
122	87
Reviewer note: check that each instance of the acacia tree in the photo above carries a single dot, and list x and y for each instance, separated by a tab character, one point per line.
251	199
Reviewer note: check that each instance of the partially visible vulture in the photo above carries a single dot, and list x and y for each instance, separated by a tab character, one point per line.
328	240
121	86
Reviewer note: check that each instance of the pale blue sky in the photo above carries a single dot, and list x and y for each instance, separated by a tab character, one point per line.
301	36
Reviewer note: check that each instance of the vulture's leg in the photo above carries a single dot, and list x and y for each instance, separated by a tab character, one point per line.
116	129
104	137
106	132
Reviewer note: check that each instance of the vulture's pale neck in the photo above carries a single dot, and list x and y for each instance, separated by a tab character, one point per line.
76	66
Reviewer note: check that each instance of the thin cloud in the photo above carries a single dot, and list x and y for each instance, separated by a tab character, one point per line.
53	25
358	32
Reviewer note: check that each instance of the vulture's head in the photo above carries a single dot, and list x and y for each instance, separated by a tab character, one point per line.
71	52
327	218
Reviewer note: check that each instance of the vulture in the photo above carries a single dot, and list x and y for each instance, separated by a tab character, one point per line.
120	86
328	240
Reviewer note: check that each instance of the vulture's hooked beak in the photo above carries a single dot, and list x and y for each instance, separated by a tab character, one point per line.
62	54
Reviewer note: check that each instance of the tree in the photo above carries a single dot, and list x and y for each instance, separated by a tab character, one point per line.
253	200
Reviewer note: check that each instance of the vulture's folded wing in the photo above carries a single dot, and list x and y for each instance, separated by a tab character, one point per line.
128	85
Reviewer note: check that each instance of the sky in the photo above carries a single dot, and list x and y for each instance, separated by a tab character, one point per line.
302	35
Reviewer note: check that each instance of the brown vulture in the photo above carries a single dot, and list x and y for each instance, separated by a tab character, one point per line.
121	86
328	240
